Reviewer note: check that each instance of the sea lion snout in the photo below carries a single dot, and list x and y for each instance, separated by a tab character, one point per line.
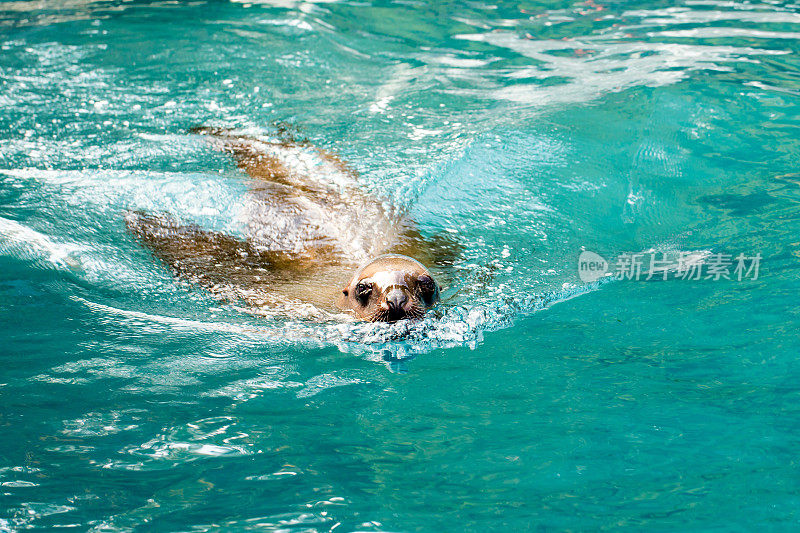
395	302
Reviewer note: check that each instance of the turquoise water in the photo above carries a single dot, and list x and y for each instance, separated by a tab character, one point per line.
530	400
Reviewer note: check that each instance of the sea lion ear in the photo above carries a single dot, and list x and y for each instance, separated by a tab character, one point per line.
341	301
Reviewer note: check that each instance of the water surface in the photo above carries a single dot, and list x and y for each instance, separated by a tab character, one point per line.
530	400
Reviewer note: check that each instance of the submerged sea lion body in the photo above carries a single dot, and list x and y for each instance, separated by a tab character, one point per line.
309	226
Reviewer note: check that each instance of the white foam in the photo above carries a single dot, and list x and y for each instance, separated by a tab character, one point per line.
35	245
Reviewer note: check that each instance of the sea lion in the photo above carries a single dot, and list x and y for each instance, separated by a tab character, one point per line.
309	223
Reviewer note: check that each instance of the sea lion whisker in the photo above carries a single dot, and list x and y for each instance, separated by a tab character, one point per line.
379	315
415	312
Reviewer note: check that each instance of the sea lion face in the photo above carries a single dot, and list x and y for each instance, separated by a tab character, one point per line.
390	288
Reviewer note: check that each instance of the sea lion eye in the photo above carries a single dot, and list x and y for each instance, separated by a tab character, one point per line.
426	284
363	290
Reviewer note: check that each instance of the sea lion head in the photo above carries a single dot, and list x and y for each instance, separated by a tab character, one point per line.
390	288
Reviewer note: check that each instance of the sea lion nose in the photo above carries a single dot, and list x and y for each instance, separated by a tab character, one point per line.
396	299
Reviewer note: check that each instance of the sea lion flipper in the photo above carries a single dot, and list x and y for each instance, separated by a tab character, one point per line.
248	152
207	258
285	133
439	249
258	157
